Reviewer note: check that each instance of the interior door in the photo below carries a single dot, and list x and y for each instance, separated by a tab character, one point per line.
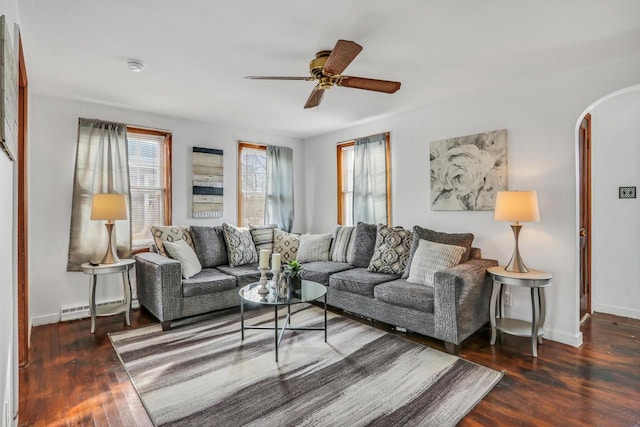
585	216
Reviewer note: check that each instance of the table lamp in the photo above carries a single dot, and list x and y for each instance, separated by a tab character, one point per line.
516	206
109	207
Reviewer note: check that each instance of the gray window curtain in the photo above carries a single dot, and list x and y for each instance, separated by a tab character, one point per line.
101	167
370	180
279	195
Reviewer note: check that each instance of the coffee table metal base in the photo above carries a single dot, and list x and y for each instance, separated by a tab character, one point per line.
285	326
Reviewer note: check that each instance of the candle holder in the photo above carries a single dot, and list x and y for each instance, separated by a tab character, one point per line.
262	289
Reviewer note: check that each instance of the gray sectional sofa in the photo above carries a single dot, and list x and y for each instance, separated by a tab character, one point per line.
453	308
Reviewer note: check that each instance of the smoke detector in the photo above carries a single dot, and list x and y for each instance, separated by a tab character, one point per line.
135	65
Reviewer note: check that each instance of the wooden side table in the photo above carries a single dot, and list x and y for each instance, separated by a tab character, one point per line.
536	280
123	266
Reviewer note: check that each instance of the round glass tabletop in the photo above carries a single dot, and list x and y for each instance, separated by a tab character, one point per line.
309	291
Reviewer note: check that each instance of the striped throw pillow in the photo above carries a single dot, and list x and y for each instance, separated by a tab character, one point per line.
342	243
314	247
431	257
262	236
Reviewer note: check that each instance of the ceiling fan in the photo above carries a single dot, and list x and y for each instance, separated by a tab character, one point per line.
327	68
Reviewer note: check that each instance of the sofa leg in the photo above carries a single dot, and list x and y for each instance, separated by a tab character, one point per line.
452	348
166	325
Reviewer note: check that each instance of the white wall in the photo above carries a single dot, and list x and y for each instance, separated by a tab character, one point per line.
8	258
541	120
616	222
53	134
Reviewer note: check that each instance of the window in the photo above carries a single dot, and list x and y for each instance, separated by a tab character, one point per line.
379	174
252	183
150	182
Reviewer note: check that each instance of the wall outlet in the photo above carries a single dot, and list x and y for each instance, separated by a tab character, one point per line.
507	299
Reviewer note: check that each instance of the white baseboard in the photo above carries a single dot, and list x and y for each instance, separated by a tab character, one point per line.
618	311
45	319
71	313
563	337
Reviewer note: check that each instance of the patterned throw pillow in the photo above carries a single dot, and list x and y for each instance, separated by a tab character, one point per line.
262	236
392	250
314	247
184	253
431	257
170	233
286	244
341	247
240	247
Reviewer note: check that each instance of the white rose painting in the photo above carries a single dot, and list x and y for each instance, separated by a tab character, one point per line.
468	171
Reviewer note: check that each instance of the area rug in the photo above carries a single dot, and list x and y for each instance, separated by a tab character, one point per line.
203	374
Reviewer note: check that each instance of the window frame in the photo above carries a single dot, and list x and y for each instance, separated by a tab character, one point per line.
242	145
167	144
340	183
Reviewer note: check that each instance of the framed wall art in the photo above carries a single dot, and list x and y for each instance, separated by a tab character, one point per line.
207	183
9	92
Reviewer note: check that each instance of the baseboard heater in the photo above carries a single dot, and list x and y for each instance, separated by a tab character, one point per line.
82	312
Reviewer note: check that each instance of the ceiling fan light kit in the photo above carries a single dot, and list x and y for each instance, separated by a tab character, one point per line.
327	68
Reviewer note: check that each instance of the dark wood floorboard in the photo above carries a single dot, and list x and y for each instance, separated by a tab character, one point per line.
74	378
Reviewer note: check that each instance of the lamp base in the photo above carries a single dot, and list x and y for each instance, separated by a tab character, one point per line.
516	265
111	256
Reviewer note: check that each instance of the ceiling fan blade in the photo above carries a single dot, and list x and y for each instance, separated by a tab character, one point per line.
385	86
341	56
278	78
315	98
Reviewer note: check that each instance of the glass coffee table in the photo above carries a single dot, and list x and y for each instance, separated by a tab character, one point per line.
309	291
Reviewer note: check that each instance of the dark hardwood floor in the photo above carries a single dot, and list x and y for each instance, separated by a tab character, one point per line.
74	378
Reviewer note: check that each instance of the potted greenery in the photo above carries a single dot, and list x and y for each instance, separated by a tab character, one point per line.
292	273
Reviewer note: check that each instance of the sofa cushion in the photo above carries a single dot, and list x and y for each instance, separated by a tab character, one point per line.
431	257
458	239
320	271
364	244
210	245
314	247
182	252
286	244
405	294
342	244
244	274
240	247
170	233
359	281
262	236
392	250
208	281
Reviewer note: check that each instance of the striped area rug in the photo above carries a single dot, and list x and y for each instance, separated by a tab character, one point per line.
203	375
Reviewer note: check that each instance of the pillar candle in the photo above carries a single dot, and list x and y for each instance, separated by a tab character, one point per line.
264	258
275	262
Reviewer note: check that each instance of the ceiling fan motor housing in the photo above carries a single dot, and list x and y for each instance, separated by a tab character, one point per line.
316	67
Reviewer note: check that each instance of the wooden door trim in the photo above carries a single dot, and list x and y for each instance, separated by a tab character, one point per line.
585	215
23	216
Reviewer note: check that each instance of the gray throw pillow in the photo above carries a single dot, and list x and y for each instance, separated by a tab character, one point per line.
314	247
210	245
363	244
392	250
342	244
240	247
457	239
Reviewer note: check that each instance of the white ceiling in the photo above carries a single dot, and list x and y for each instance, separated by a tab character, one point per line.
197	53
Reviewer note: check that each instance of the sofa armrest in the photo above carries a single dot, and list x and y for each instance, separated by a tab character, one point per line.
461	299
159	283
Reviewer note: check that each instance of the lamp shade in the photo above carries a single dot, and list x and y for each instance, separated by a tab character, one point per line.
109	206
517	206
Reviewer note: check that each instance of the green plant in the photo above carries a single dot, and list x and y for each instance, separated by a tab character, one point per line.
292	268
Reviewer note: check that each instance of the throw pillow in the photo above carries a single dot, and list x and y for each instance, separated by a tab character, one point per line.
314	247
170	233
209	245
460	239
364	244
286	244
392	250
181	251
240	247
431	257
262	236
342	244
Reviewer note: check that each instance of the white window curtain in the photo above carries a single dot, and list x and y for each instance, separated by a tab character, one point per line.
279	195
370	180
101	167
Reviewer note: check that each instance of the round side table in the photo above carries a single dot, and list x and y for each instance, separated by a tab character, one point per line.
536	280
123	266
